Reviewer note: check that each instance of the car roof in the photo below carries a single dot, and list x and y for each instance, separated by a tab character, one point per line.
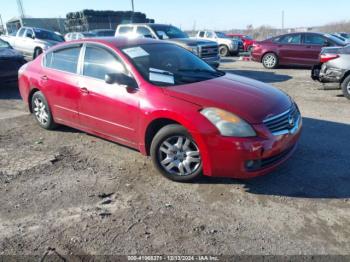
119	42
148	24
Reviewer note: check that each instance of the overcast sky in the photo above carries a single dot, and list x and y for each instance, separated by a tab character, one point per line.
210	14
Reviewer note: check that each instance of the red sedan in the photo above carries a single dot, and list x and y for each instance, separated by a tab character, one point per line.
165	102
301	49
248	41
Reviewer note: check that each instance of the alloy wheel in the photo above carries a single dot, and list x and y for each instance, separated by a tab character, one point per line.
270	61
40	111
179	155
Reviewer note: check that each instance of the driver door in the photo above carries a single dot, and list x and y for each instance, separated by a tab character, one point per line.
108	109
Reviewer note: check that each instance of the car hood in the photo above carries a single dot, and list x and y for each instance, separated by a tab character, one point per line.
191	41
251	100
6	53
47	42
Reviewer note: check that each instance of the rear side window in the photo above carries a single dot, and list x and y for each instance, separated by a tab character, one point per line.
201	34
98	62
125	30
313	39
290	39
64	60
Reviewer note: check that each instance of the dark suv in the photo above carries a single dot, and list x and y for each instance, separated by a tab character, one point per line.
334	67
293	49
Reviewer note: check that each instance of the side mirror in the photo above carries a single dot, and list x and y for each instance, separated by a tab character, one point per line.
161	37
327	43
121	79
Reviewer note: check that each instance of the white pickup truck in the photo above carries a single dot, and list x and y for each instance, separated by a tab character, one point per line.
227	46
31	41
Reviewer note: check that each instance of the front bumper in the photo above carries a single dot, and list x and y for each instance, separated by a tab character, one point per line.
229	157
213	61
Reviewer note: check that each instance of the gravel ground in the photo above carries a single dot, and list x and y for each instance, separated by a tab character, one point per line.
83	195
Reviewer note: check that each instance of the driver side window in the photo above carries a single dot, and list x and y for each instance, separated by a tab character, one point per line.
29	33
98	62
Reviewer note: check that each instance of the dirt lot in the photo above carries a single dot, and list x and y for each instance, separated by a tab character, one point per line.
82	195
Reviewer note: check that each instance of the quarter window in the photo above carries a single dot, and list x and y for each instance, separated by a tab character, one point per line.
290	39
313	39
64	59
201	34
98	62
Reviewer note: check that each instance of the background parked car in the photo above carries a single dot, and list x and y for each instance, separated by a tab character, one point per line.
345	35
207	50
10	61
227	46
33	41
345	40
78	35
293	49
247	40
334	67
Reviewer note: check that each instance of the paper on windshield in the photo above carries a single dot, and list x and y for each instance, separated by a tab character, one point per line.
162	76
135	52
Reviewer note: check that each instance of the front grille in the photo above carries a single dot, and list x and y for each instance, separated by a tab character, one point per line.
209	51
285	122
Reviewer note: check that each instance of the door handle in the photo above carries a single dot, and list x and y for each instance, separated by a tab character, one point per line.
84	90
45	78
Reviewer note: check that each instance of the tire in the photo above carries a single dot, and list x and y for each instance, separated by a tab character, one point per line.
224	51
270	61
41	111
37	52
345	86
175	154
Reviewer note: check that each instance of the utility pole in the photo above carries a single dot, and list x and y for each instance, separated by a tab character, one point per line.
282	20
132	5
2	28
20	8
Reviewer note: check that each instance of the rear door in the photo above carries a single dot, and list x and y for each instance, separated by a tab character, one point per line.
109	109
313	44
290	49
59	81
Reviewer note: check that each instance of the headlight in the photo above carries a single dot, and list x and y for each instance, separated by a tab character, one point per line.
194	49
227	123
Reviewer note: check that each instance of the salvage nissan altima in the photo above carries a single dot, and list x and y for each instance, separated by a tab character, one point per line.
165	102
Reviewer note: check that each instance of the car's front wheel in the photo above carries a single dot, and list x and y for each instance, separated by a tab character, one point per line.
175	154
345	86
224	51
270	61
41	111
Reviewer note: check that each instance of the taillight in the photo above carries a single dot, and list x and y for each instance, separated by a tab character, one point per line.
324	58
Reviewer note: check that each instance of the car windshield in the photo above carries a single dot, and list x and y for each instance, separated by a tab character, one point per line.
47	35
4	44
168	32
248	37
336	40
169	65
221	35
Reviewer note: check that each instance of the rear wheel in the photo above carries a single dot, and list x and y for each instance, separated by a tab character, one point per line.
224	51
41	111
270	61
175	154
345	86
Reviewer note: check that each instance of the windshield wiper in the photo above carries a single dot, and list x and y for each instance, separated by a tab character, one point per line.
199	70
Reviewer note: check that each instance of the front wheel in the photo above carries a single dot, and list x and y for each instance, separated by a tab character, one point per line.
345	86
224	51
270	61
175	154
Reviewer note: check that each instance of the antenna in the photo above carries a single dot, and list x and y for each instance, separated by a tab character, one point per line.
20	8
283	20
